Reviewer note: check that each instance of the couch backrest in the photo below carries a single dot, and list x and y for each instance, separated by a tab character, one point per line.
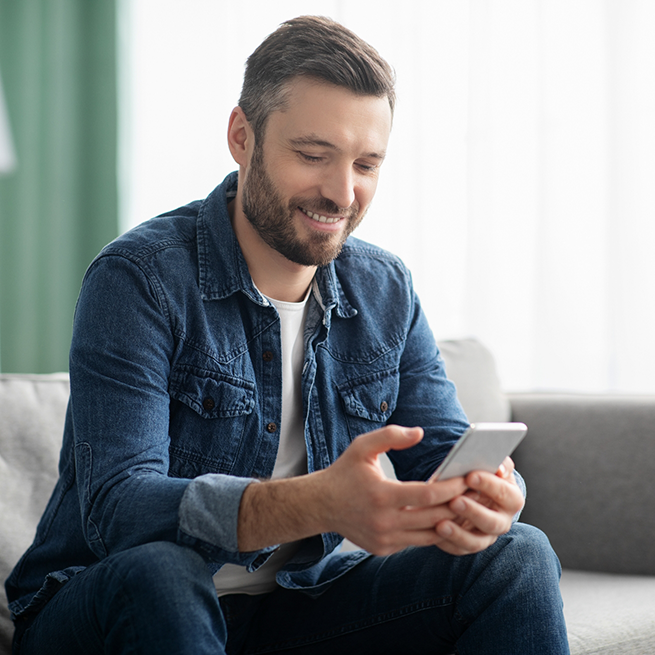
471	366
32	410
589	465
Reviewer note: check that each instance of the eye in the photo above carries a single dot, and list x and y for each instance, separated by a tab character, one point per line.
367	168
310	158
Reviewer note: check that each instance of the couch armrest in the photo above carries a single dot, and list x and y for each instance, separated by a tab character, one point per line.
589	465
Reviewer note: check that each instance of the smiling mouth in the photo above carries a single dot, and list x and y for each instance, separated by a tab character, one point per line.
320	218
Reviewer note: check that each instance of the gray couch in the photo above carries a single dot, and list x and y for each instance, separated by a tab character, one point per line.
589	463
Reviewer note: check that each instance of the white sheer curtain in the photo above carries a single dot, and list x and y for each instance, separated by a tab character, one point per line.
520	182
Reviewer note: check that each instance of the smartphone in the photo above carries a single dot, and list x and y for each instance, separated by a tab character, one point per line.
483	447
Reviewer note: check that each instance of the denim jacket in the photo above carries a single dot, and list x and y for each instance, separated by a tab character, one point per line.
176	396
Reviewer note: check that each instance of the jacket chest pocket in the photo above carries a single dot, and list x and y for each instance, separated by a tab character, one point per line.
209	414
369	401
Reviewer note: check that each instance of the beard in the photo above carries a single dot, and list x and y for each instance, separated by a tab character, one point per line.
273	220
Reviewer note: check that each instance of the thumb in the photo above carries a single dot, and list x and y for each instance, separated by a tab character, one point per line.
390	437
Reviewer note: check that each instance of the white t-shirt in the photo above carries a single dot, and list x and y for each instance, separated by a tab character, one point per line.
291	457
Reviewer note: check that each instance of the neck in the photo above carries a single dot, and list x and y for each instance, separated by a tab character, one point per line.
273	274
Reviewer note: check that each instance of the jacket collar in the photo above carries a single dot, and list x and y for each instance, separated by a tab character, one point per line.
222	266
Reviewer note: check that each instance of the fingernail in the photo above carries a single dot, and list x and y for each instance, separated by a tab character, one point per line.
474	480
445	530
459	505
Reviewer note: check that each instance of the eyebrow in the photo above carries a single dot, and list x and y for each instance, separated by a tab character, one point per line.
315	140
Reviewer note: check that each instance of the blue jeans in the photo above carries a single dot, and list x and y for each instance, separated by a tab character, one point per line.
159	598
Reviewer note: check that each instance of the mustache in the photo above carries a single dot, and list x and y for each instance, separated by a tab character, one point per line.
323	205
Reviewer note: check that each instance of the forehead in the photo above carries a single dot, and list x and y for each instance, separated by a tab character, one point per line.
320	112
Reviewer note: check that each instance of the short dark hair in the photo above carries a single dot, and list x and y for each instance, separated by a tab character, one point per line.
313	47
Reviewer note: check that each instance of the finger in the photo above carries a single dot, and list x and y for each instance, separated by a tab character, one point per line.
480	518
404	528
421	494
411	518
399	495
505	494
506	469
390	437
393	543
427	537
458	541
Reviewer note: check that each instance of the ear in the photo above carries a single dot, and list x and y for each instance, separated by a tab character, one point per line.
240	137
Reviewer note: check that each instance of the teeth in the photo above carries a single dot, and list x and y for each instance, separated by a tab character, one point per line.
321	219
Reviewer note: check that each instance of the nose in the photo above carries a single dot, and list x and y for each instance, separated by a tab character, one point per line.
339	186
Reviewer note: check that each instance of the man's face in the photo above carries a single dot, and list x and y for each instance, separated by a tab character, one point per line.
310	182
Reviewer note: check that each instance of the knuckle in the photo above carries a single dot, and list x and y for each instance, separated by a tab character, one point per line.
501	526
380	526
378	498
430	497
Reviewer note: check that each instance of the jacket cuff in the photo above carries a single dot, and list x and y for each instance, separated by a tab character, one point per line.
521	483
208	518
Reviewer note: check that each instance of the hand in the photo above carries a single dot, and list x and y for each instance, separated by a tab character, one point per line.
484	512
381	515
352	497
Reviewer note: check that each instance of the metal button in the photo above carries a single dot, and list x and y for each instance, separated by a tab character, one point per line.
271	427
384	406
267	356
208	404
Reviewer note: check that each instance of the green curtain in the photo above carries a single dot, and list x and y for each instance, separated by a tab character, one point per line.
59	206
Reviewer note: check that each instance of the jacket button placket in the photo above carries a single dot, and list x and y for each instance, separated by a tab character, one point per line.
271	411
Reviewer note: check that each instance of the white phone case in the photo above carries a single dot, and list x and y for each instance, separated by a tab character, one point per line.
483	447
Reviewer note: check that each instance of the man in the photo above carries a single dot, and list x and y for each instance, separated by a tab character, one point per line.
237	366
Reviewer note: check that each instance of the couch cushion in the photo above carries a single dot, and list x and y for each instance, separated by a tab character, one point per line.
471	366
608	614
32	410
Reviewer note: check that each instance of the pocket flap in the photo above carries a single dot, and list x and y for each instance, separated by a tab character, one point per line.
371	397
212	395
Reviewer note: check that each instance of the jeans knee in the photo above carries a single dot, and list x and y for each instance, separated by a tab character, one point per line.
513	584
527	550
532	543
159	568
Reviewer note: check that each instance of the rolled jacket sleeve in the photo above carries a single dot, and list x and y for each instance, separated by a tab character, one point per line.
199	527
